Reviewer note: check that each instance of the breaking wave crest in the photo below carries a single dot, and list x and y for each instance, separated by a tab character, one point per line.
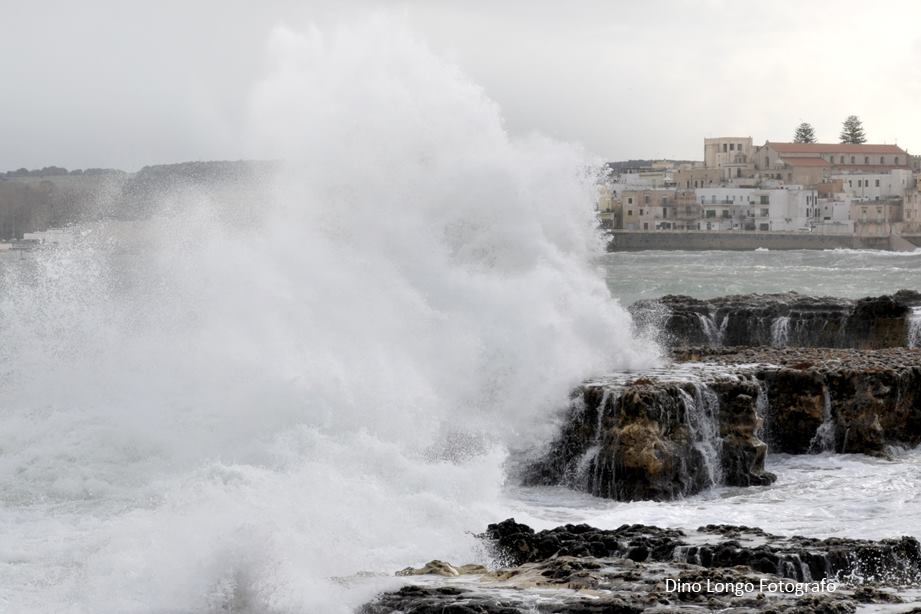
254	403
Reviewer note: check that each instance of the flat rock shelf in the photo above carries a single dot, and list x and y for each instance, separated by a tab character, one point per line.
578	569
784	320
713	417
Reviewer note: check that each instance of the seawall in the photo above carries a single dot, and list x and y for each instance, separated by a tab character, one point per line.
636	240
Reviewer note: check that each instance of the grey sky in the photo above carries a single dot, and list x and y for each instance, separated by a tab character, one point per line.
125	83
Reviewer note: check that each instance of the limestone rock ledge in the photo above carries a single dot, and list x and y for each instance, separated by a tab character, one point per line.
674	433
783	320
844	401
580	569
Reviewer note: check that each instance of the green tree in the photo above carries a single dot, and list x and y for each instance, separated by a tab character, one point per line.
804	134
852	131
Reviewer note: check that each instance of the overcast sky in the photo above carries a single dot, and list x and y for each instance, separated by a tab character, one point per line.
123	83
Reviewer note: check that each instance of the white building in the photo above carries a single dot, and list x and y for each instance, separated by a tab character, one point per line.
783	209
792	208
725	208
876	186
835	216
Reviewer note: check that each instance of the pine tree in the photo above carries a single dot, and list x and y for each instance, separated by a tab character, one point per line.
852	131
804	134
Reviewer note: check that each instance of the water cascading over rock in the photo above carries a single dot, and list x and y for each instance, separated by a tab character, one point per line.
647	439
914	328
787	319
662	438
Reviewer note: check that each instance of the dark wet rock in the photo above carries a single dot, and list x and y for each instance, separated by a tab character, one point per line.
798	558
857	401
437	600
635	568
660	437
787	319
432	600
647	447
741	449
655	440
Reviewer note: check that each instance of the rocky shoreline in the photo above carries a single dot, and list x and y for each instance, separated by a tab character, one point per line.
784	320
710	419
578	569
713	417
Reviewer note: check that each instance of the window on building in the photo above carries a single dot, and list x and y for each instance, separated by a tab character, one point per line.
645	225
630	200
866	159
764	227
877	183
726	213
852	159
646	199
897	160
765	199
841	160
850	183
765	212
641	212
725	147
882	159
732	147
711	213
630	212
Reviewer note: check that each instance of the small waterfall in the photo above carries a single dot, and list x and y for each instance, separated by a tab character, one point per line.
780	331
914	328
713	331
702	411
824	438
587	471
763	409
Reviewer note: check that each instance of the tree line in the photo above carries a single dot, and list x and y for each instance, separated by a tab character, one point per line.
851	132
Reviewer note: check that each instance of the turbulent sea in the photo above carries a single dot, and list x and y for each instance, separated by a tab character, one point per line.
818	495
273	409
846	273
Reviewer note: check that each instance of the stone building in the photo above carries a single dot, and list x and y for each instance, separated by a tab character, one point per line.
643	208
694	177
732	155
840	157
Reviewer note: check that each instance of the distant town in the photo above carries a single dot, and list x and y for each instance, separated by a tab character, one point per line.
797	194
864	194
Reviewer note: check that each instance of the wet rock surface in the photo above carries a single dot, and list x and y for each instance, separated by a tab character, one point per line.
787	319
636	568
659	440
660	437
845	401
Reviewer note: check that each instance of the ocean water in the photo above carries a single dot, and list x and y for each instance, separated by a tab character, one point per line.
272	410
821	495
848	273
